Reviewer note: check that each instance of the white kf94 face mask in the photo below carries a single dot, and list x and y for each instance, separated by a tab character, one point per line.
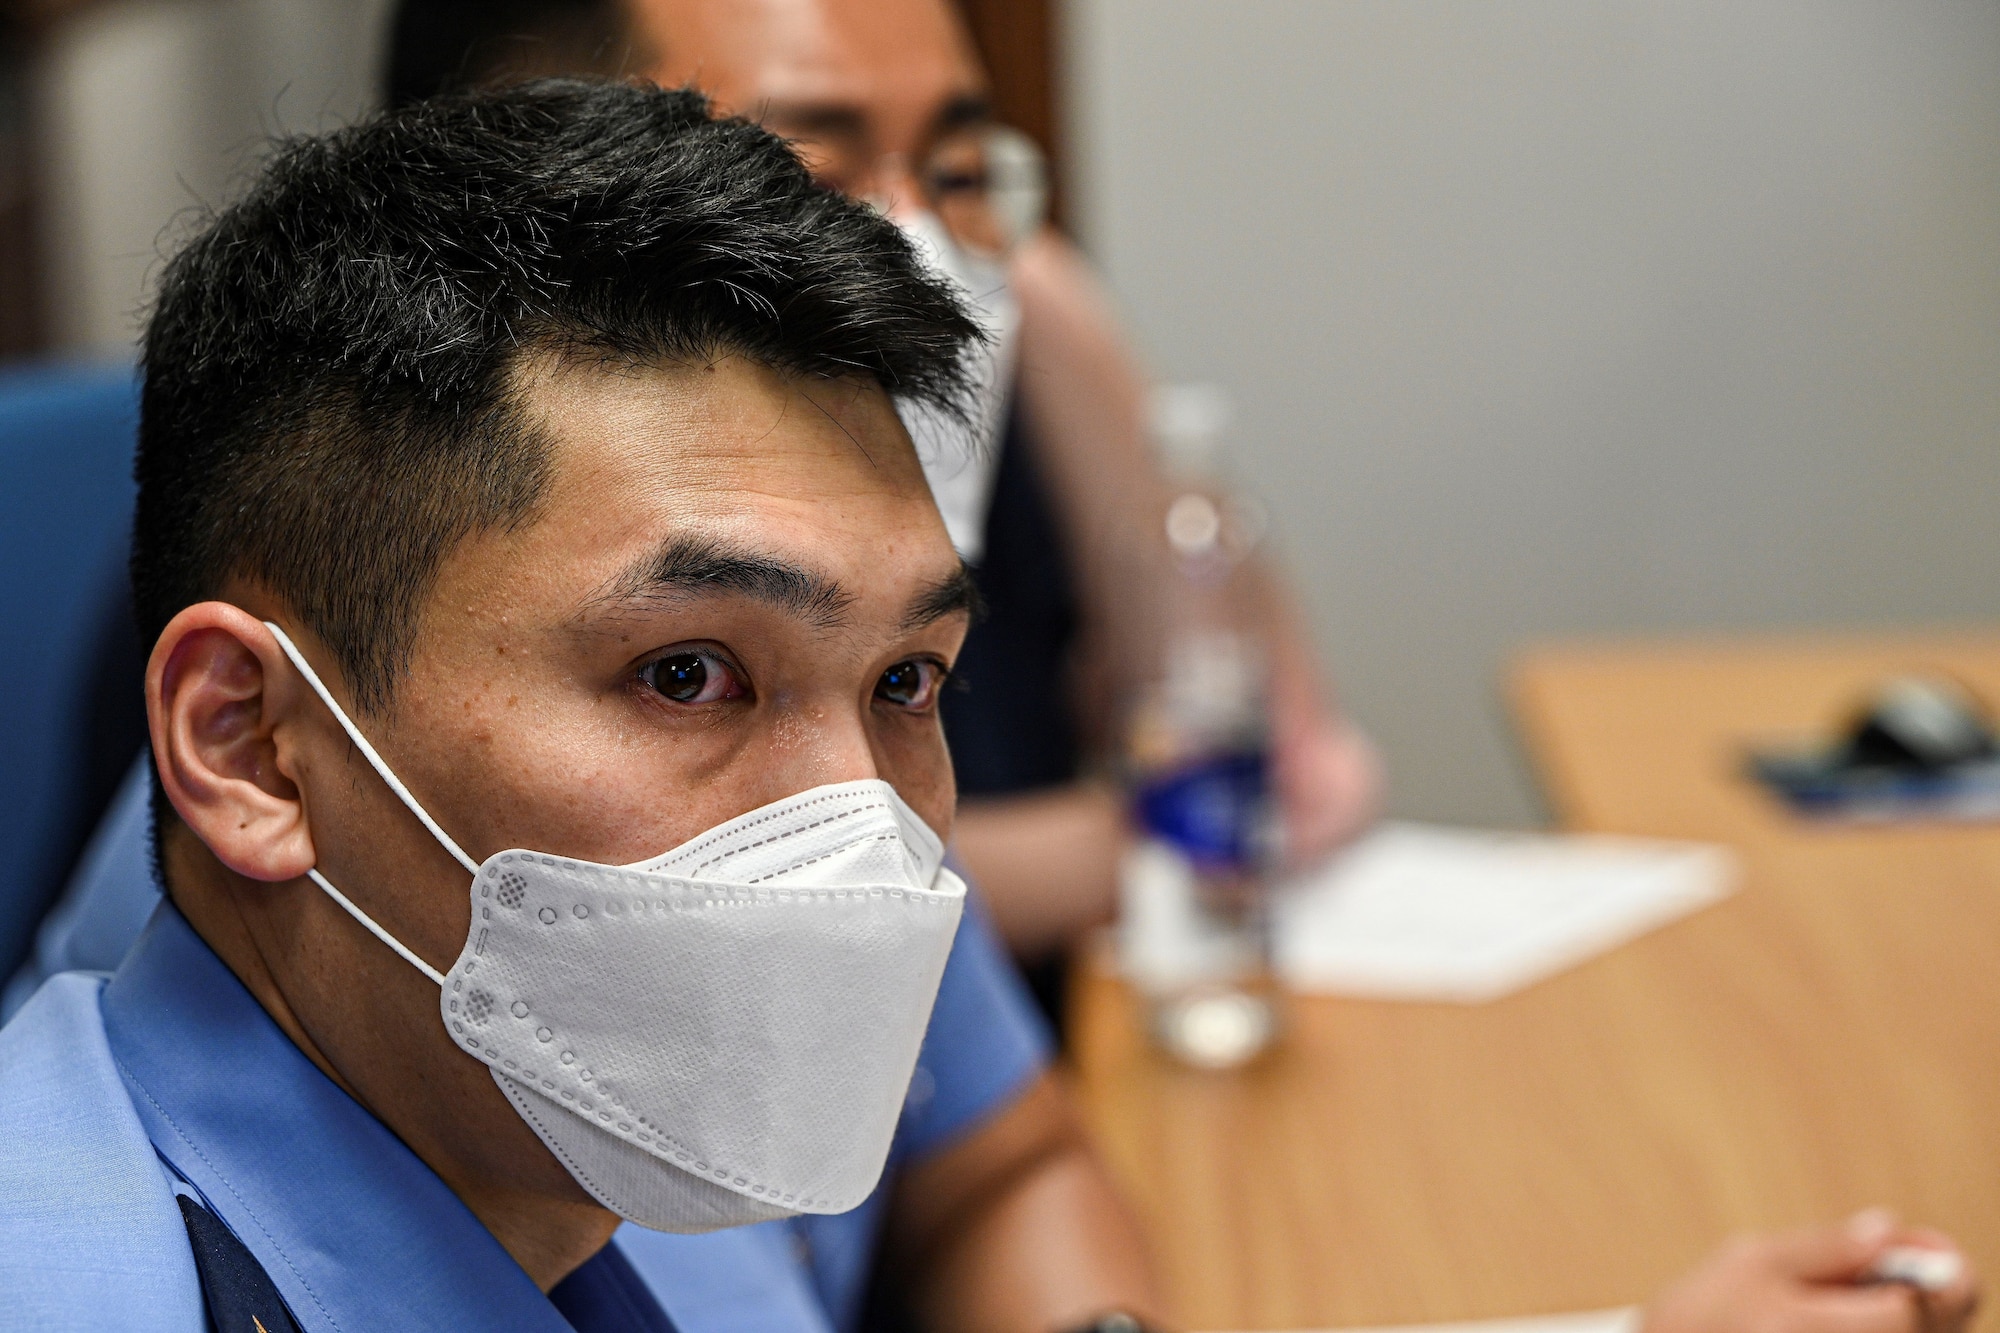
961	458
718	1036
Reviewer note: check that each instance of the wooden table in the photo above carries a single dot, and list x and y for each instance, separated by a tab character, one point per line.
1828	1038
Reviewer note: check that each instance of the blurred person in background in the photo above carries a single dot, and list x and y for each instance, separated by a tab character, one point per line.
1058	508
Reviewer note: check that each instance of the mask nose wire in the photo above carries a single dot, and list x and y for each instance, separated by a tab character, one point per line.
381	767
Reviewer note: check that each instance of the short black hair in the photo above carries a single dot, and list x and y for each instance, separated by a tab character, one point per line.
329	402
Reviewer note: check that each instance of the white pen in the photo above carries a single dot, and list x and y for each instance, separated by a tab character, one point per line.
1924	1269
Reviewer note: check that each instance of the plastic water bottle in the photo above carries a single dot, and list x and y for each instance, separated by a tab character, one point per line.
1195	920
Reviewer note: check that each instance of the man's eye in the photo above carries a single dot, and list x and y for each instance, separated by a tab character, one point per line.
912	685
955	182
692	678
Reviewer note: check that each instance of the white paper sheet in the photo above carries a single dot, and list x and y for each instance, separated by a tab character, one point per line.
1624	1320
1418	912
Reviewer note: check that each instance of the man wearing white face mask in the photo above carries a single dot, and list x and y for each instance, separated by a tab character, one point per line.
774	1105
548	630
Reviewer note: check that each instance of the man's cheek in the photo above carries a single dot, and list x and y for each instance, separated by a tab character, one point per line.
929	787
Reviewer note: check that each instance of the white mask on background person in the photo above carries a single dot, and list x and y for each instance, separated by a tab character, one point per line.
960	461
720	1035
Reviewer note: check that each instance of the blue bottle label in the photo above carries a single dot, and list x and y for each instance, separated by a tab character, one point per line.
1215	811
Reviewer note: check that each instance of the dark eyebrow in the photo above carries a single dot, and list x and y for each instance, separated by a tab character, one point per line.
962	111
815	118
696	565
956	592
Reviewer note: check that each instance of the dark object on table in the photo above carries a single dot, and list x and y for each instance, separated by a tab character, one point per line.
1923	748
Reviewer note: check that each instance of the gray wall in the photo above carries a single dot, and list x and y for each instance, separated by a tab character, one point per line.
152	108
1567	316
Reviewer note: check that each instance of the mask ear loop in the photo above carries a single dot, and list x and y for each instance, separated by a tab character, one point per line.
382	770
409	956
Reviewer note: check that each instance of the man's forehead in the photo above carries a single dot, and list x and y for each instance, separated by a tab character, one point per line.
728	447
747	52
665	481
711	421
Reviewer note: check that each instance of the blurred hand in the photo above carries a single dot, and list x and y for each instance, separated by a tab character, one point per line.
1329	786
1046	861
1812	1281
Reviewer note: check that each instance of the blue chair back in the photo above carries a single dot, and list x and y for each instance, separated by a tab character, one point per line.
72	712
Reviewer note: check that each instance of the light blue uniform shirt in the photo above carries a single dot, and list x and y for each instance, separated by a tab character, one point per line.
304	1149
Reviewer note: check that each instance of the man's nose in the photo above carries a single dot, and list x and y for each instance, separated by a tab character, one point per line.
817	745
894	188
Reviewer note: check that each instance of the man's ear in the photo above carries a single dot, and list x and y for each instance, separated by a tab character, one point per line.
219	692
